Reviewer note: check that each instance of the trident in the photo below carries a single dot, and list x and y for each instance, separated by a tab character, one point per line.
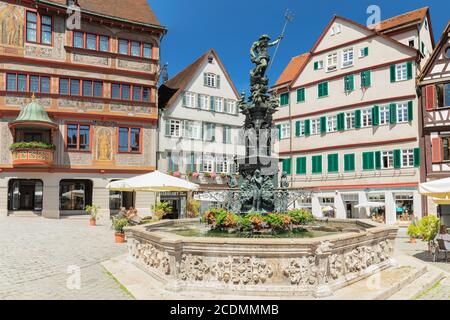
288	17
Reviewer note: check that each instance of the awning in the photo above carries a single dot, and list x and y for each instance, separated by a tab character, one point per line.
437	188
152	182
370	205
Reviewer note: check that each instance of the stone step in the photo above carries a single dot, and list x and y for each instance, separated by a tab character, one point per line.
24	214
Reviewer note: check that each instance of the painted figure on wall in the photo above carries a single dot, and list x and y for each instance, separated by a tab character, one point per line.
11	25
104	145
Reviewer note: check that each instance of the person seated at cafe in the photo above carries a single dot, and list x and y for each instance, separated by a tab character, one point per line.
443	235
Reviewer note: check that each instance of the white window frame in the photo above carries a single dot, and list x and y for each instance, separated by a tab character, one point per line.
223	164
385	114
175	128
302	128
319	64
402	112
208	163
350	120
315	126
332	61
401	72
332	123
219	104
361	52
190	98
285	130
366	118
347	57
387	159
230	106
210	80
192	129
204	102
408	158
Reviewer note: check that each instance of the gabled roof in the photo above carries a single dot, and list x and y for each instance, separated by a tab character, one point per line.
436	51
289	73
171	90
408	18
131	10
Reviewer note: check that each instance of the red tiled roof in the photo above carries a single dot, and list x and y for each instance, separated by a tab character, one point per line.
403	19
292	69
132	10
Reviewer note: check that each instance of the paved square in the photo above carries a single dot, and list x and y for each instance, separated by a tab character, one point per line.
36	253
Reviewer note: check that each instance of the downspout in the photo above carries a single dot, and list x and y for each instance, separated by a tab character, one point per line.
290	136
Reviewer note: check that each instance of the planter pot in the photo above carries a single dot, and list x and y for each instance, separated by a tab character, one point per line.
120	237
93	222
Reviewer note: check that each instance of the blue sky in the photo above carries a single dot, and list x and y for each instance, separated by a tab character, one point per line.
230	27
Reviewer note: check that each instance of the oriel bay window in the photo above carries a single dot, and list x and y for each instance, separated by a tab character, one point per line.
27	83
129	140
78	137
39	28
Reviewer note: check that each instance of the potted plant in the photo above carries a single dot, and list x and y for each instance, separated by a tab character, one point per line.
119	224
428	228
207	174
93	211
195	175
413	233
213	175
223	175
177	174
192	208
162	209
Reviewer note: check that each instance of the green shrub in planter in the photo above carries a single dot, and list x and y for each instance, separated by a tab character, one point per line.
31	145
428	227
119	224
301	216
413	231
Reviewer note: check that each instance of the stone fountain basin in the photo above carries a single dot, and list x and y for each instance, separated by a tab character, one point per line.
254	266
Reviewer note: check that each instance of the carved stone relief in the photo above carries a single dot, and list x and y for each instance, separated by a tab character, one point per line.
241	270
80	106
22	101
89	59
11	25
193	268
135	65
150	256
302	271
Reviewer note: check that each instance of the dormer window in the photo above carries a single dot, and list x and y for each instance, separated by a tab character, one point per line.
211	59
336	29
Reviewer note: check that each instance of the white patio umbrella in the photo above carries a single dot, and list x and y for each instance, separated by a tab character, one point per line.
370	205
436	189
152	182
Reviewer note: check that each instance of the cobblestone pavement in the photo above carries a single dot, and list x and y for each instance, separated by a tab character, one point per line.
39	259
419	250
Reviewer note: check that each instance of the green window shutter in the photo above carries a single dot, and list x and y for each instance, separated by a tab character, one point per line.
378	160
183	97
341	121
357	119
316	65
393	77
199	100
167	122
287	166
279	131
322	89
393	113
410	111
193	165
317	164
349	162
368	160
297	128
417	157
325	89
376	116
365	79
213	103
333	164
284	99
307	127
323	125
366	51
301	95
397	159
319	90
301	165
349	83
218	81
409	70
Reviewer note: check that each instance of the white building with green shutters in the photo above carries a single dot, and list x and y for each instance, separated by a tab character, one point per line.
199	126
349	118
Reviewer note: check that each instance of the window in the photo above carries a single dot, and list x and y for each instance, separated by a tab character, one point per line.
347	57
318	65
91	41
365	79
129	92
189	100
422	47
284	99
363	52
104	43
301	165
316	164
146	94
31	27
46	30
226	134
98	89
285	130
74	87
129	140
147	50
223	164
123	46
204	102
408	158
115	91
322	89
27	83
192	129
126	89
78	137
387	159
331	123
411	43
349	162
137	93
332	61
315	126
135	49
173	128
209	132
402	112
230	106
446	148
349	83
219	104
208	163
447	53
368	160
286	165
87	88
301	95
366	117
333	162
299	128
401	72
384	115
75	194
349	120
211	80
78	40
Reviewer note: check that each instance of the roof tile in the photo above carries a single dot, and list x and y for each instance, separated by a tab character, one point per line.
400	20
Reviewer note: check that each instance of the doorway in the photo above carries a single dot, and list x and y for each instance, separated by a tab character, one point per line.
25	195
